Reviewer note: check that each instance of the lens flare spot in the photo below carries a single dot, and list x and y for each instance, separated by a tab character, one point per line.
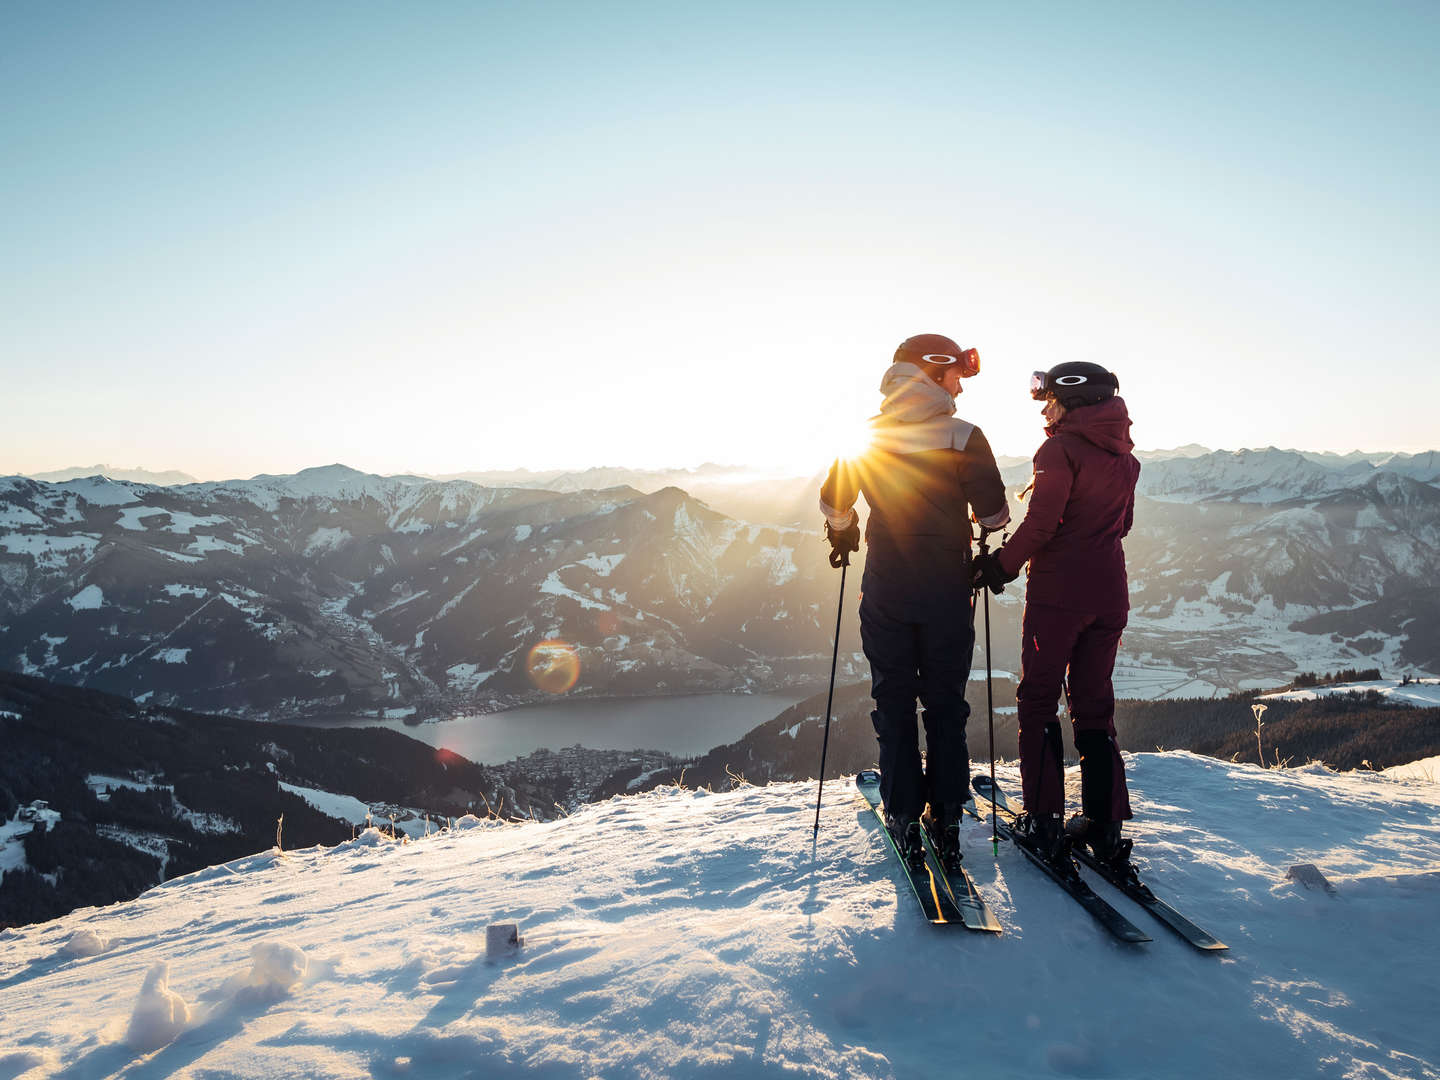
553	666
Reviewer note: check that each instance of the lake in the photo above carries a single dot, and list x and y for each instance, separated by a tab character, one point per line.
686	725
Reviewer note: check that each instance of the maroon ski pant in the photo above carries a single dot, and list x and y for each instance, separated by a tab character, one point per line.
1056	642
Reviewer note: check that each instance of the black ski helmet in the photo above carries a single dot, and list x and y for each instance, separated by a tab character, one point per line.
1074	384
935	354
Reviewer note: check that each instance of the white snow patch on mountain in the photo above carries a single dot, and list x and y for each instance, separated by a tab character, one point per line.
464	678
326	539
185	523
90	598
133	517
1424	693
779	561
454	602
171	656
603	565
177	556
99	491
522	532
186	590
18	517
100	782
204	544
14	831
345	808
689	934
151	843
555	587
49	550
406	599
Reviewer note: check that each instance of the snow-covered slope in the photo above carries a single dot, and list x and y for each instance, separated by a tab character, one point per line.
684	934
1424	693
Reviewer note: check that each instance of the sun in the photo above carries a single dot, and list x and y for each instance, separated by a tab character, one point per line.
854	441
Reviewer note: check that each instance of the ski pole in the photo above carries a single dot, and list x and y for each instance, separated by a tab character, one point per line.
830	697
989	701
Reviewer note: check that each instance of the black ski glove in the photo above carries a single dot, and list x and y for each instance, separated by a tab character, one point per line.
842	542
987	573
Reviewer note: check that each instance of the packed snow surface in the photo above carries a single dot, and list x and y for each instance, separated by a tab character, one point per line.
691	934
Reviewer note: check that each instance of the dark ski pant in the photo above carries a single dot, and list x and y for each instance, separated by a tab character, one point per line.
1056	642
919	651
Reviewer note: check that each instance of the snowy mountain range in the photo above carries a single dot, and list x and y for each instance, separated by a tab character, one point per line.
707	934
334	591
338	592
115	472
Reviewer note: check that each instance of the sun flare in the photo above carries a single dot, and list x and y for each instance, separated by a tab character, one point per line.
854	442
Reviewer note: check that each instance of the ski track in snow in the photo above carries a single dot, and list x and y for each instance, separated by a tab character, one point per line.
690	934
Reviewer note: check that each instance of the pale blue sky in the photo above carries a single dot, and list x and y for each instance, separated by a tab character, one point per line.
254	237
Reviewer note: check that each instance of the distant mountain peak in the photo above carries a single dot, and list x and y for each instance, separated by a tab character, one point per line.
137	475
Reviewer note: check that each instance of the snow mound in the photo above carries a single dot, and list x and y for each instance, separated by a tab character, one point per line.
276	966
369	838
1424	769
468	821
86	943
160	1013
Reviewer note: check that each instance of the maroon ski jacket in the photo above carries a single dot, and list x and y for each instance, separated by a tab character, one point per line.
1082	504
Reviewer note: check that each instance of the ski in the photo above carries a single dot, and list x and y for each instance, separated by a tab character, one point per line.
1131	885
1121	928
974	912
931	887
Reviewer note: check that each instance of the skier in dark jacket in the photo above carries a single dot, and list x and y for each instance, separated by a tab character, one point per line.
1077	602
923	472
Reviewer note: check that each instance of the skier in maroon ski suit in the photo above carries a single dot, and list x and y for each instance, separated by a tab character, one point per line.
1077	603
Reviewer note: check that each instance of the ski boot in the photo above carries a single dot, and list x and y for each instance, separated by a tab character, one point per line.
910	842
1045	836
944	828
1104	841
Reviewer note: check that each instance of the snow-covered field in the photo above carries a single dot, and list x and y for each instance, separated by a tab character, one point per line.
687	934
1424	693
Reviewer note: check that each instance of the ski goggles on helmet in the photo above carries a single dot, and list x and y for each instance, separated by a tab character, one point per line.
968	360
1042	386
